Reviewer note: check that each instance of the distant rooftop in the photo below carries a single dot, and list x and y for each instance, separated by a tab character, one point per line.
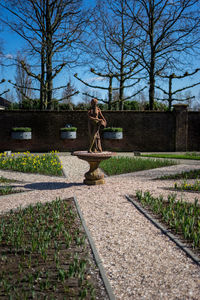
4	103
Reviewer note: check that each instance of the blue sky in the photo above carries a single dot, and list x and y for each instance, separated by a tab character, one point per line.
12	43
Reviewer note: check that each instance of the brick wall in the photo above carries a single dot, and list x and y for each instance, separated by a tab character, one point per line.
142	131
194	131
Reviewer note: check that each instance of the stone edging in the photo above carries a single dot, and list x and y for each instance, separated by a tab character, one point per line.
165	231
95	253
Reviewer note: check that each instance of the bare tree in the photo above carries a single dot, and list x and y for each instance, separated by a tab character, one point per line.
112	37
168	29
171	95
69	92
196	105
109	88
23	82
52	29
5	91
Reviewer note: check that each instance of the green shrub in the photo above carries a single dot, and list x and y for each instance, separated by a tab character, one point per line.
21	129
68	129
112	129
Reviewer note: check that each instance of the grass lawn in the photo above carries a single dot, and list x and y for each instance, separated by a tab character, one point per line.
176	156
44	254
120	165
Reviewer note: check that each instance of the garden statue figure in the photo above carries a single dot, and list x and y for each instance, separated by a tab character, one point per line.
95	121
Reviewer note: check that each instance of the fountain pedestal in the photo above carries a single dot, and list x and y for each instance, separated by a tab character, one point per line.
94	176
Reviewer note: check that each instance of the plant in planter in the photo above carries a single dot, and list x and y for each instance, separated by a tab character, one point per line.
68	133
21	133
113	133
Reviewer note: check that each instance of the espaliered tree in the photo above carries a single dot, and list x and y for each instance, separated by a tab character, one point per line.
109	88
110	41
5	91
110	102
168	28
171	95
51	30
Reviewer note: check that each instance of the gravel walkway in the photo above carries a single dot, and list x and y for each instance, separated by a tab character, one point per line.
140	262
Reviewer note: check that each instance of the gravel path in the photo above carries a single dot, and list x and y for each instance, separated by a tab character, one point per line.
140	262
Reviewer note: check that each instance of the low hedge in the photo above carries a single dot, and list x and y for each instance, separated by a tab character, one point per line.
21	129
112	129
68	129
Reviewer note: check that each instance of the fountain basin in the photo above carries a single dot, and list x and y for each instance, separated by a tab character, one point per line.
94	176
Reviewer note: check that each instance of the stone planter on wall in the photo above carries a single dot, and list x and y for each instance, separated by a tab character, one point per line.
112	133
21	133
68	133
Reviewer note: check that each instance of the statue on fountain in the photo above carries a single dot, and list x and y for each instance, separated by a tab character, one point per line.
95	121
95	154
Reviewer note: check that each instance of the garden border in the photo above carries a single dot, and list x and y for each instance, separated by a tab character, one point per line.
95	253
171	236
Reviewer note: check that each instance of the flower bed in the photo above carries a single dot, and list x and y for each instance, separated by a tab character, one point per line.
44	254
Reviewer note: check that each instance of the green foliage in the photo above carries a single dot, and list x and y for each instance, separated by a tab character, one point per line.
181	216
131	105
176	156
39	255
112	129
82	106
66	106
159	106
14	106
193	174
103	106
120	165
68	129
6	190
184	186
43	164
6	180
21	129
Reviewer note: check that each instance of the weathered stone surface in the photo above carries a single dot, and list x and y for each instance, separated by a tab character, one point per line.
94	176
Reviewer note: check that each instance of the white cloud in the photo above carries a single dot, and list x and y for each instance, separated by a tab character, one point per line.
96	79
9	56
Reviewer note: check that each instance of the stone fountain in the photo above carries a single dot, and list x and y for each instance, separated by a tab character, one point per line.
95	154
94	175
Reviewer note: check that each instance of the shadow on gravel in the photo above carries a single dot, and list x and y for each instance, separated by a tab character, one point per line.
51	185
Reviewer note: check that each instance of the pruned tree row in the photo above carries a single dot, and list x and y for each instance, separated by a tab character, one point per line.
130	45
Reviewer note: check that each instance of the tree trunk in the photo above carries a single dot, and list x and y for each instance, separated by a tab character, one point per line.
110	93
122	79
152	63
170	93
121	91
42	64
49	57
151	87
42	84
